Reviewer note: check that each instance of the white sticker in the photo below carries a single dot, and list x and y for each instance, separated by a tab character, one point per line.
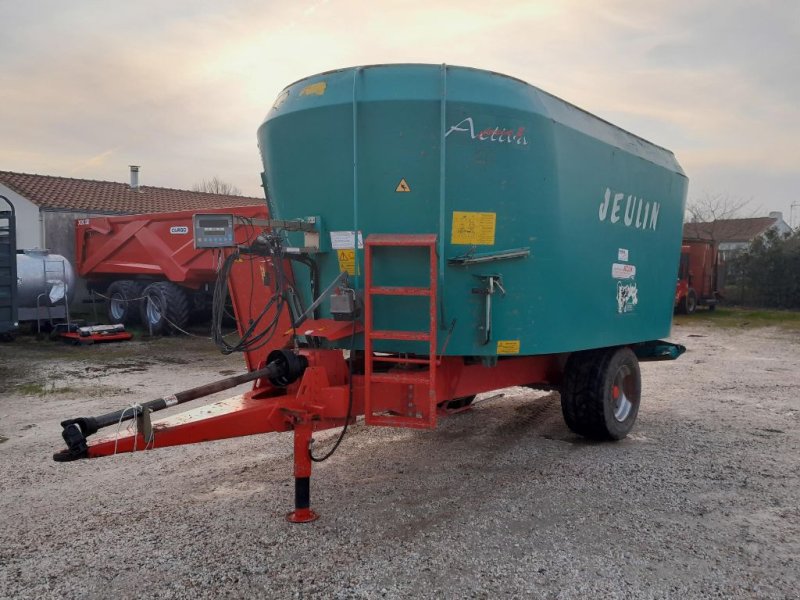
170	400
620	271
622	254
344	240
627	296
179	230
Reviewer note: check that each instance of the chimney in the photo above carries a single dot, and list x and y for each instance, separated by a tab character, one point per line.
134	177
777	215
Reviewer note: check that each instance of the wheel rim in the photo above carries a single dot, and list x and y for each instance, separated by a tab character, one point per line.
117	306
153	310
622	401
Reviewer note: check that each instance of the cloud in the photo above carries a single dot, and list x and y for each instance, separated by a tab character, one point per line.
180	87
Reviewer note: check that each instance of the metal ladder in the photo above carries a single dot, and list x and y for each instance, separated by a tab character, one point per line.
424	412
53	271
8	269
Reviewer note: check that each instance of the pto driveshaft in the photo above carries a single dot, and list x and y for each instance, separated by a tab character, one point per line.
283	368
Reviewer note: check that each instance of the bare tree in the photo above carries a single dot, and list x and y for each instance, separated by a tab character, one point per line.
216	186
715	207
705	213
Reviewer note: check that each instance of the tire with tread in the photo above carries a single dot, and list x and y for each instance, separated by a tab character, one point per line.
690	302
165	307
597	385
121	304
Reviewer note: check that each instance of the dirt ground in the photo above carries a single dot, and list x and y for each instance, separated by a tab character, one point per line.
702	500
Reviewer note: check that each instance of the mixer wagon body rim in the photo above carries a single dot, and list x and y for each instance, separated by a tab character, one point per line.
677	169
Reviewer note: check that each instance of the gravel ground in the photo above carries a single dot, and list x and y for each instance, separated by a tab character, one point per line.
702	500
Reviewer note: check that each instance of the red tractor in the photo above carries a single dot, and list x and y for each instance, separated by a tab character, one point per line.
698	276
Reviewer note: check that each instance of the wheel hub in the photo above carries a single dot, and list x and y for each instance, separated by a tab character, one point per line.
117	306
153	310
622	405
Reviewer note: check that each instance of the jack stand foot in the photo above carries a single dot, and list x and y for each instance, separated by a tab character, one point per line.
302	515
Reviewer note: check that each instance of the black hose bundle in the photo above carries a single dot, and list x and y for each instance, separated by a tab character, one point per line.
254	335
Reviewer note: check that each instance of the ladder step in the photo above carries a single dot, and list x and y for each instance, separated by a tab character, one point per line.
406	336
410	378
400	239
400	359
400	291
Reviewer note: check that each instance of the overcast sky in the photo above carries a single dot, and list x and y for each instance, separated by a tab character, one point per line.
179	87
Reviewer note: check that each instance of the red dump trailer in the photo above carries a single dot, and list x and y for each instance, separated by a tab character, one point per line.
147	267
698	276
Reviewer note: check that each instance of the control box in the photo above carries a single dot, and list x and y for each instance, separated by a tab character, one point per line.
213	231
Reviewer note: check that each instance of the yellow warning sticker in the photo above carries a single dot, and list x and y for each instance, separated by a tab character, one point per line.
476	228
347	261
314	89
402	186
508	346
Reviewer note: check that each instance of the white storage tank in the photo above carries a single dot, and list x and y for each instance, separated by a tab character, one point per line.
48	278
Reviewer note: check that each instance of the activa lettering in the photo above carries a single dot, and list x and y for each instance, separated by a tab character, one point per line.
633	212
491	134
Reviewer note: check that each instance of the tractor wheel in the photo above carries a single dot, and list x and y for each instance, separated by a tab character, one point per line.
165	308
601	393
122	302
690	302
457	403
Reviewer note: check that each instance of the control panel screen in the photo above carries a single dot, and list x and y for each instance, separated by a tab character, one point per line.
213	231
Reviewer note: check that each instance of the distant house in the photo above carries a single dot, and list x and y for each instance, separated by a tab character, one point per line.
47	206
736	235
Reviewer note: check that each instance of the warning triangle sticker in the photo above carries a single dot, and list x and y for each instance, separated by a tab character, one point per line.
402	186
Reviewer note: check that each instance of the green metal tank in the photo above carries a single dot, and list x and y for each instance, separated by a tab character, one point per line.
577	220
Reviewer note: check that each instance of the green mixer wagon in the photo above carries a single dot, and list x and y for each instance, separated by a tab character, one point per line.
455	231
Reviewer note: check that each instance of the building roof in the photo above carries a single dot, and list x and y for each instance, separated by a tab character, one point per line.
111	197
729	230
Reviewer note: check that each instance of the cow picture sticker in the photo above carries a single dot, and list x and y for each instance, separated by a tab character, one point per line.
627	296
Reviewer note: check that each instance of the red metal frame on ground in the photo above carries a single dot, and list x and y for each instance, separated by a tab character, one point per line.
95	338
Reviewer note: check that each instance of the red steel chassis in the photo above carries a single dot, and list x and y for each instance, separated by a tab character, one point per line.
404	391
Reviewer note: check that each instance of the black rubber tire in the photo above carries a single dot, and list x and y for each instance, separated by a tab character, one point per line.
457	403
121	306
588	395
691	302
165	308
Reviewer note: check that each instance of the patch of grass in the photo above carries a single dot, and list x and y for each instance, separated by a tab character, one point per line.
35	388
740	318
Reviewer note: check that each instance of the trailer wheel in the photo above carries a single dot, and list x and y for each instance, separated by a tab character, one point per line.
165	308
690	302
122	305
601	393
